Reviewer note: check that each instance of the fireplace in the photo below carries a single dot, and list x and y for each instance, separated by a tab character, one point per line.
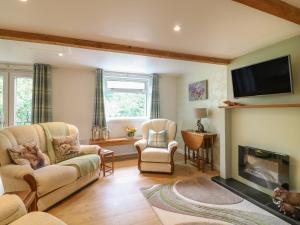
268	169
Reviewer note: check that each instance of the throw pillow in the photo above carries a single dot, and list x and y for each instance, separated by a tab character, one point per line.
30	154
158	139
66	147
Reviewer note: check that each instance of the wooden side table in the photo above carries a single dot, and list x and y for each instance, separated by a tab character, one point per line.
107	157
209	139
29	199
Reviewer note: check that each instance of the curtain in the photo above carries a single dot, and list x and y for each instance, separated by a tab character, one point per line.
99	112
42	94
155	103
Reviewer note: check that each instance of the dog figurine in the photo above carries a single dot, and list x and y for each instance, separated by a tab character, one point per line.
287	201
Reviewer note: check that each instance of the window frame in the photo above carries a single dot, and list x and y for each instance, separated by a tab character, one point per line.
10	73
128	77
12	95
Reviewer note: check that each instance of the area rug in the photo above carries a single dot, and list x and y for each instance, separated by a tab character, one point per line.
200	201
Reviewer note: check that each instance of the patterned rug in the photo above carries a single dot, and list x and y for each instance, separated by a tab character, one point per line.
175	206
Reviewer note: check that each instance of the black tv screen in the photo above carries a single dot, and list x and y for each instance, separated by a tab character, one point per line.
270	77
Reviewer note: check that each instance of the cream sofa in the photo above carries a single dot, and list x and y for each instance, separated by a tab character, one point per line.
52	183
157	159
13	212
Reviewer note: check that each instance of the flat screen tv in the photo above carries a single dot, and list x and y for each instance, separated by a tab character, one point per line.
265	78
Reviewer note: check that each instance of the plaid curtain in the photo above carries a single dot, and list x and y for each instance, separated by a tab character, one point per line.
155	103
99	112
42	94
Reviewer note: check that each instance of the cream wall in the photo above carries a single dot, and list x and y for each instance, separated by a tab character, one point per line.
73	99
275	129
217	93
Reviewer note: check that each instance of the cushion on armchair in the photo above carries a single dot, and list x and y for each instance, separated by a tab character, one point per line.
157	139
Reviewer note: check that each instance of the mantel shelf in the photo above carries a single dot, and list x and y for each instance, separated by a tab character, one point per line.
261	106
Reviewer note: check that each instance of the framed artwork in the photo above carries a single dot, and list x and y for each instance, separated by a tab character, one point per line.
198	90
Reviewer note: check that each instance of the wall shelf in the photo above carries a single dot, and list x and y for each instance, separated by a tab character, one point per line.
261	106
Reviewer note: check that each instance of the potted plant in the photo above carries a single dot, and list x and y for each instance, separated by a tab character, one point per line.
130	131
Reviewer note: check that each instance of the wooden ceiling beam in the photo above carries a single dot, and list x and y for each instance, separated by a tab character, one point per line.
275	7
104	46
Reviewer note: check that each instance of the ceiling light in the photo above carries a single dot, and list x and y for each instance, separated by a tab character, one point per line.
60	54
177	28
23	0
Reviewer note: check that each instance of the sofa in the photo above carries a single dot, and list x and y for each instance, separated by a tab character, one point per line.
152	159
13	212
52	183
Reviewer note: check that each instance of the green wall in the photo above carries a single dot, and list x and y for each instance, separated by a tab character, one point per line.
275	129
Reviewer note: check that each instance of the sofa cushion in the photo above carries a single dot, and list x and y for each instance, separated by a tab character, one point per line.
40	218
28	153
52	177
65	147
156	155
158	139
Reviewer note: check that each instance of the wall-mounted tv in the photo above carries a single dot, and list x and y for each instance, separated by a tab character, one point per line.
265	78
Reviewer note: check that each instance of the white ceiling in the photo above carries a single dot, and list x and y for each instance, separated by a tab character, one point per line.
217	28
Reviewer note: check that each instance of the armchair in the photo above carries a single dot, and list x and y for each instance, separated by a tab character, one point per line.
152	159
13	212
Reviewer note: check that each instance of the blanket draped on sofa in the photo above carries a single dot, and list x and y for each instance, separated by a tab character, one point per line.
54	129
85	163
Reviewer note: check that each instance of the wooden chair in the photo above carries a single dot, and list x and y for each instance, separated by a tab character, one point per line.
194	142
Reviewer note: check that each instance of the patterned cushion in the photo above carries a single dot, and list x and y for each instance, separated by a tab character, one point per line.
66	147
28	153
157	139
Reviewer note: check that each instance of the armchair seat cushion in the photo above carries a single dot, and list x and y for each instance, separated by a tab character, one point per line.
161	155
52	177
40	218
11	208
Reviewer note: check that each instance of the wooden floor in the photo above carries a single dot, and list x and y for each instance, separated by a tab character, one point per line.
117	200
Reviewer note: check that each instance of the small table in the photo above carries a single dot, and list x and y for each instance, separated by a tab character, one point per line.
107	156
29	199
209	139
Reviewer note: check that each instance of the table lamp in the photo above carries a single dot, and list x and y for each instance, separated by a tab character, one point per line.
200	113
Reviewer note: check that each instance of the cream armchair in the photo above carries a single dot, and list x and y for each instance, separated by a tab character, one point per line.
157	159
13	212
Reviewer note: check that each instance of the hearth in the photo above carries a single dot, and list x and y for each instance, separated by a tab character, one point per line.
266	168
256	197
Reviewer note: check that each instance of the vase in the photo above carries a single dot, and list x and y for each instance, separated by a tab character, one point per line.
130	135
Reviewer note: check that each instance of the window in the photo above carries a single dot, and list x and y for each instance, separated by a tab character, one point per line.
126	95
15	97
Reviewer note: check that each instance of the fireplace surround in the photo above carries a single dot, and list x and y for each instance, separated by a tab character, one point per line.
265	168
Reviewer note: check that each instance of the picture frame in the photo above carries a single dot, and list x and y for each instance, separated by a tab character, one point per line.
198	90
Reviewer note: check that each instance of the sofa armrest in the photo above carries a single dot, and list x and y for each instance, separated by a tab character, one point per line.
11	208
89	149
172	145
141	144
16	171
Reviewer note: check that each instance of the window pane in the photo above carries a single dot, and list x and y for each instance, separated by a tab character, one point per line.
1	101
125	85
125	104
23	100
